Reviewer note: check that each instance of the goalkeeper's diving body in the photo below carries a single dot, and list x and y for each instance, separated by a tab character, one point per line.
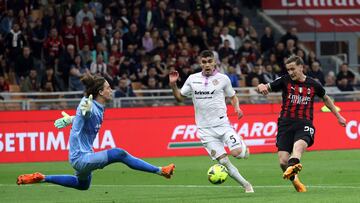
85	126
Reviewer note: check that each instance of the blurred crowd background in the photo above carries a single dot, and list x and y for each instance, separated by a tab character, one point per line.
48	45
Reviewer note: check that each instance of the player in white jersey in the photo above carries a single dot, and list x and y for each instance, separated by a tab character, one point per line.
208	90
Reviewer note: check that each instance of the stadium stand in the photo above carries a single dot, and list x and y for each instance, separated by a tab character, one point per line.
50	44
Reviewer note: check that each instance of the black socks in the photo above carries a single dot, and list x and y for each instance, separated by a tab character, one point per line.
292	162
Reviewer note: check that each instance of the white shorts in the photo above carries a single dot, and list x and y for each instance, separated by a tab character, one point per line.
214	140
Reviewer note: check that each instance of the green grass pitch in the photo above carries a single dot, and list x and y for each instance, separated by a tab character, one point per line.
331	176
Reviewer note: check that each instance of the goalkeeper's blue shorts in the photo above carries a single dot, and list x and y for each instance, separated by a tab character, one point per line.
89	162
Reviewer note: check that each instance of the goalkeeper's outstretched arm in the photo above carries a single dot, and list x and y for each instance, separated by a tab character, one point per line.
85	107
64	121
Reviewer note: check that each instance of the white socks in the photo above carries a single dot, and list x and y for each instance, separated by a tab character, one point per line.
233	171
242	155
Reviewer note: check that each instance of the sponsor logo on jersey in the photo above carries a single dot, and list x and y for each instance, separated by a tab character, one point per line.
299	99
203	92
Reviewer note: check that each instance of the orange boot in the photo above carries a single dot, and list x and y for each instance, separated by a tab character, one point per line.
298	185
168	171
292	170
30	178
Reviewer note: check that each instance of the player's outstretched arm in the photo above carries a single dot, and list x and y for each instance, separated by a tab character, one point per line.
235	103
173	77
64	121
86	105
330	104
263	89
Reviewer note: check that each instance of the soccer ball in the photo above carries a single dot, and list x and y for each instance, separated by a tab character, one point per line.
217	174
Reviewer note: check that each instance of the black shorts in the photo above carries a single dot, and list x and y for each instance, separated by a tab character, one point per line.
290	131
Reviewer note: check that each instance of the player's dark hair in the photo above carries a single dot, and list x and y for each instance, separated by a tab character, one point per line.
293	58
93	84
206	53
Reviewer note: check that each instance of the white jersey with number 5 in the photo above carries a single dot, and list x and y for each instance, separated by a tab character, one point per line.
208	95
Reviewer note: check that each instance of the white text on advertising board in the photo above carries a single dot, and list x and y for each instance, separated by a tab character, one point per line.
46	141
353	129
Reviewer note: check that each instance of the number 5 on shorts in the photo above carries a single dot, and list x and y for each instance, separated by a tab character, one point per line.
233	139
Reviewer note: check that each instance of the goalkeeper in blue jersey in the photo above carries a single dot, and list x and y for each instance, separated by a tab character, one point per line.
85	126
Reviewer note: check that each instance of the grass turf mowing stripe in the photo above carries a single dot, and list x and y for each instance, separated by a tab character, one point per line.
200	186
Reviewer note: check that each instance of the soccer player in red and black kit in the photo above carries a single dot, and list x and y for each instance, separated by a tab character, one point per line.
295	129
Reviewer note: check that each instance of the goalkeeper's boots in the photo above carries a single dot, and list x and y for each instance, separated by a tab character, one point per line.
292	170
30	178
168	171
299	187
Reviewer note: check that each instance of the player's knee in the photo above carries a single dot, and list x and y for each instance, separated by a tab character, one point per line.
84	184
116	154
238	153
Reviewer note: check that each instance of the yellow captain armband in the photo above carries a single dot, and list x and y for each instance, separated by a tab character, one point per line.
326	109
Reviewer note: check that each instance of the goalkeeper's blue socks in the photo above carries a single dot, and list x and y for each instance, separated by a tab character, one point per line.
69	181
114	155
120	155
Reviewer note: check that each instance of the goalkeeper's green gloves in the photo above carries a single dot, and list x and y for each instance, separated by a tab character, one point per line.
85	106
64	121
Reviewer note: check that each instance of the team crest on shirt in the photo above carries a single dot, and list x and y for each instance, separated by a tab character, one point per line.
308	90
300	90
215	82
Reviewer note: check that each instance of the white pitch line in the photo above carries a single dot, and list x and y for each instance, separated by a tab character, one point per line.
201	186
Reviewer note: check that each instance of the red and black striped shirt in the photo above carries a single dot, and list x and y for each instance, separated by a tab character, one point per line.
297	97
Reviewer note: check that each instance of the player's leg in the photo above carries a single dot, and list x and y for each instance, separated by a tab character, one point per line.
294	165
79	181
285	145
120	155
303	138
283	160
214	145
283	157
239	150
234	173
298	150
236	145
284	142
63	180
